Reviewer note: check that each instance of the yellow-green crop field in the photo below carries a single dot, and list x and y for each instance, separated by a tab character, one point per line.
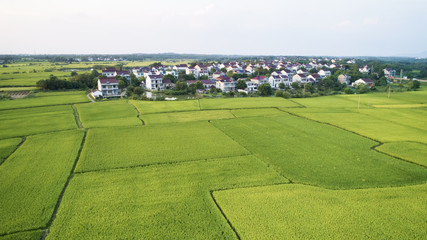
336	167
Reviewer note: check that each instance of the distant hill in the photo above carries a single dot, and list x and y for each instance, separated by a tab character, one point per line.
421	54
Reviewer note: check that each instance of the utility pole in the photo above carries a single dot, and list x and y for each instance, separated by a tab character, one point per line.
388	91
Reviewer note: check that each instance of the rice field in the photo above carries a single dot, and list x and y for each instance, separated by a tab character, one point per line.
32	178
177	117
225	168
46	99
107	148
160	201
295	211
29	121
411	151
108	114
248	102
301	150
7	146
145	107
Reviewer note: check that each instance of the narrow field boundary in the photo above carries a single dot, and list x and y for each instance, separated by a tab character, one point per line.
77	117
61	195
50	105
223	214
379	143
138	113
159	164
14	150
21	231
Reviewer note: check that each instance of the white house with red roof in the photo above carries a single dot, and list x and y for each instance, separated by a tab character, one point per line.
324	73
275	81
226	84
108	86
388	72
260	80
299	78
314	77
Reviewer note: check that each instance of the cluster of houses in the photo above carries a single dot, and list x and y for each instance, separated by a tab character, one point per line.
216	78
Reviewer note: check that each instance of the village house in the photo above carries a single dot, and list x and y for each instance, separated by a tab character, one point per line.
299	78
154	82
260	80
109	72
388	72
344	79
324	73
109	87
365	69
314	78
226	84
365	81
275	80
180	67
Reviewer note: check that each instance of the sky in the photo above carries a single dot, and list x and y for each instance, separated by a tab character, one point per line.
244	27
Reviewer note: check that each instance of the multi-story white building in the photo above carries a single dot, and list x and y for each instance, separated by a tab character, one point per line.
108	86
343	78
226	84
275	80
388	72
324	73
154	82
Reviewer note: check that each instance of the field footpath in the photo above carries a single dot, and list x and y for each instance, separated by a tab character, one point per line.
138	112
58	203
16	148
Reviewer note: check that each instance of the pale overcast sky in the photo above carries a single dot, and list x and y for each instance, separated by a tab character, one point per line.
266	27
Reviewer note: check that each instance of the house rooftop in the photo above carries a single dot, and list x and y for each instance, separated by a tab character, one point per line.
108	80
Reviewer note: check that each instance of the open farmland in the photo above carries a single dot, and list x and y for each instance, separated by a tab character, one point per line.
29	121
225	168
108	114
111	147
410	151
46	99
305	212
32	178
7	146
176	117
145	107
236	103
301	150
160	201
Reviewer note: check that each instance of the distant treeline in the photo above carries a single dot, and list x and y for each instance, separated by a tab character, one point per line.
78	81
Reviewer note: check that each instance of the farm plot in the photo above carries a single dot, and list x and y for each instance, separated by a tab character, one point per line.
46	99
108	114
133	146
292	211
32	178
28	79
411	151
371	125
160	201
175	117
30	235
21	122
318	154
145	107
7	146
257	112
236	103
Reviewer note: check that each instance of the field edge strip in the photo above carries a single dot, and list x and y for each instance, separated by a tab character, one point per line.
14	150
61	195
77	117
21	231
223	214
138	113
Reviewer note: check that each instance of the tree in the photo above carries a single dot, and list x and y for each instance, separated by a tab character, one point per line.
73	73
129	91
295	85
122	84
282	86
138	91
413	85
134	81
362	88
192	88
170	77
223	70
199	85
265	89
181	86
241	84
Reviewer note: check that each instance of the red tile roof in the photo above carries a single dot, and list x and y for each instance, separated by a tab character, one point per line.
108	80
